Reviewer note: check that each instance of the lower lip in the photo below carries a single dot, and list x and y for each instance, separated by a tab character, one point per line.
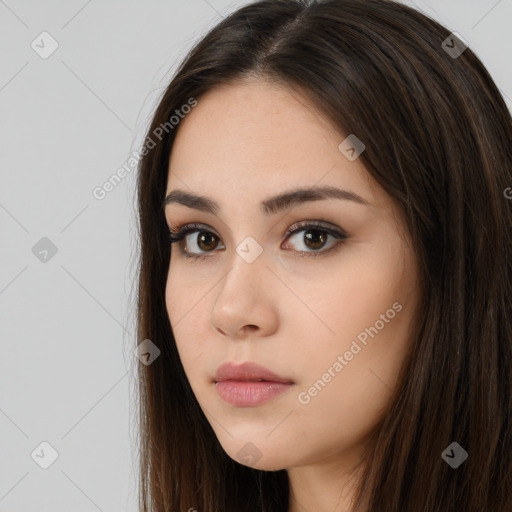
246	394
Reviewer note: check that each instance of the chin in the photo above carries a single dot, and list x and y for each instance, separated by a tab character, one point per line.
256	456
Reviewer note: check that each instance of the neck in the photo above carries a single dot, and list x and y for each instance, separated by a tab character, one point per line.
328	485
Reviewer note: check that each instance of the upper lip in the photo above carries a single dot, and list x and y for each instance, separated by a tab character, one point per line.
247	371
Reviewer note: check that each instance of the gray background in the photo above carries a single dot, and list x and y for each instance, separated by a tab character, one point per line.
67	123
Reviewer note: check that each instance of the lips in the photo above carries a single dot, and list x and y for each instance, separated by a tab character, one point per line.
249	384
248	372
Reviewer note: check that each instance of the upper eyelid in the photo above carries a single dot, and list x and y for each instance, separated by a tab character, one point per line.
192	227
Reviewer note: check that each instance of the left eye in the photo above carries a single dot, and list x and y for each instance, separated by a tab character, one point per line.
312	240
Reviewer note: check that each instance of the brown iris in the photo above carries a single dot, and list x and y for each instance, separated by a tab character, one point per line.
204	237
317	241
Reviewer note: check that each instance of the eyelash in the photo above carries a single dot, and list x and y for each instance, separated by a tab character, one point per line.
181	232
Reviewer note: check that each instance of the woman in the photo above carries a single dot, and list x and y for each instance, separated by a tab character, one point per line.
324	269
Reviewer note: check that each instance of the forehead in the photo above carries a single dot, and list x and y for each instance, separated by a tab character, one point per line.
259	136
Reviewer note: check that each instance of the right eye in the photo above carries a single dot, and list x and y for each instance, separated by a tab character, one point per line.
198	239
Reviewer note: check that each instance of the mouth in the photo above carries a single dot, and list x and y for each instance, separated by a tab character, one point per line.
249	384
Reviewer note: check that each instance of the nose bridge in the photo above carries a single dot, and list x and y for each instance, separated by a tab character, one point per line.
244	300
243	297
249	250
248	265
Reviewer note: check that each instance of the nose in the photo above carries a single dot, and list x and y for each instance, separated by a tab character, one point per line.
246	302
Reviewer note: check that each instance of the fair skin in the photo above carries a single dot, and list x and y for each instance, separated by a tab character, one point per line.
243	143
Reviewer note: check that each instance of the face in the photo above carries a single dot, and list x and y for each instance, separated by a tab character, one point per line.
322	293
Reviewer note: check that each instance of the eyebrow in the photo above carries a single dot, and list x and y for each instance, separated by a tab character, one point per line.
269	206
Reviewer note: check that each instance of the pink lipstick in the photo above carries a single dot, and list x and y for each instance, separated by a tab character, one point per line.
248	384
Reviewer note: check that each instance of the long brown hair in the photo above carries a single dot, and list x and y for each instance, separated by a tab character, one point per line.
438	140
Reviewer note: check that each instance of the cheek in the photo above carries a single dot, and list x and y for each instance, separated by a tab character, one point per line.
341	306
175	300
180	299
345	404
368	315
184	306
344	412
